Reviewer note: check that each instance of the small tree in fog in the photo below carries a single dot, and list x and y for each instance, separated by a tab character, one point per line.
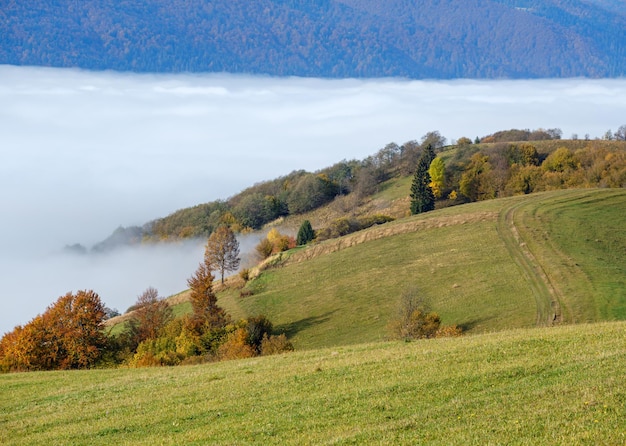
222	251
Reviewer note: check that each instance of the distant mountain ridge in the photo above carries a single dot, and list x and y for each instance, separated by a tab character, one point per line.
322	38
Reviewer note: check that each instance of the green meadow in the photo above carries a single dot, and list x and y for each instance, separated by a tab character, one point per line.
537	282
557	385
537	260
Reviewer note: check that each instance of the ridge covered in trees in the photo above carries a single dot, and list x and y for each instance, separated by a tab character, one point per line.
501	164
323	38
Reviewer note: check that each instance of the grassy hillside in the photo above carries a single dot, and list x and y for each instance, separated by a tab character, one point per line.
559	385
542	259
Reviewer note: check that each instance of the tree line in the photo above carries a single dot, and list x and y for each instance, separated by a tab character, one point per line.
460	175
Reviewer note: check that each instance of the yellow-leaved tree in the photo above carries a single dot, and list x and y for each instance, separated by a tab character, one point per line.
437	171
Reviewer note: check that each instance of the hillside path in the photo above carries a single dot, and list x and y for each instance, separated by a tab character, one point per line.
546	295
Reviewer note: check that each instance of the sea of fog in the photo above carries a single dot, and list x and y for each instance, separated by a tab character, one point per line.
85	152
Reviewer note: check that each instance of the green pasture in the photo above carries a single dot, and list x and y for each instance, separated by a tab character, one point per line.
485	275
558	385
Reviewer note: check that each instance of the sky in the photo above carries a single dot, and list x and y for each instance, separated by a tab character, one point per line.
82	153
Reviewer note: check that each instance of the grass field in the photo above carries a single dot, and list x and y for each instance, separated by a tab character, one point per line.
537	260
499	268
559	385
579	240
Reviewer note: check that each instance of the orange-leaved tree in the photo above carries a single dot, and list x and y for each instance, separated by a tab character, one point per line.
206	314
68	335
150	317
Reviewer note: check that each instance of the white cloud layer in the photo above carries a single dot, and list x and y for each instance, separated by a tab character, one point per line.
84	152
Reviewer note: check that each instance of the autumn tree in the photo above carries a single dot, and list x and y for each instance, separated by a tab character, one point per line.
310	192
150	316
275	242
434	140
477	181
422	197
437	171
305	233
524	154
68	335
463	141
560	160
206	314
222	251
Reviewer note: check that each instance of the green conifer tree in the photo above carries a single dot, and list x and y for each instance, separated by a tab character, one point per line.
305	233
422	197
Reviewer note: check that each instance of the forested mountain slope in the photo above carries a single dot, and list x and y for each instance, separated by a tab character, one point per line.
327	38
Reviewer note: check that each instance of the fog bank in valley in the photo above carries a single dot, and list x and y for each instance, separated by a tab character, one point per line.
84	152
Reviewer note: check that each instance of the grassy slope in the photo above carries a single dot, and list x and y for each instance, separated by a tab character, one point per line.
559	385
515	262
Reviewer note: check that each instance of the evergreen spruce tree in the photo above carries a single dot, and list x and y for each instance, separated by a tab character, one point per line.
422	197
305	233
429	153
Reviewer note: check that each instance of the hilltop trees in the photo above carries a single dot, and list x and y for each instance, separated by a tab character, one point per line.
422	197
310	192
475	181
222	251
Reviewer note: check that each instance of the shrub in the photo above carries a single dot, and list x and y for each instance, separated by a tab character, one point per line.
244	274
449	331
377	219
236	346
273	345
414	320
258	327
264	248
157	352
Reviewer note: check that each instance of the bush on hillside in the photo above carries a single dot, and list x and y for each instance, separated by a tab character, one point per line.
275	344
415	320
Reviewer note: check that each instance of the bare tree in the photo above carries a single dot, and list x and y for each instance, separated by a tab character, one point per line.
222	251
151	315
433	139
